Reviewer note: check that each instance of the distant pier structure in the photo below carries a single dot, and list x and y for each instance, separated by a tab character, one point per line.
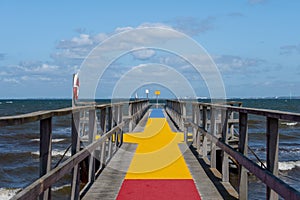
176	150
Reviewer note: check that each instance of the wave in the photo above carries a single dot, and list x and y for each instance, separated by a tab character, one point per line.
54	153
8	193
286	165
8	102
53	140
56	188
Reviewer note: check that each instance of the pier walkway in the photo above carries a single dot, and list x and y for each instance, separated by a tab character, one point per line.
185	150
154	163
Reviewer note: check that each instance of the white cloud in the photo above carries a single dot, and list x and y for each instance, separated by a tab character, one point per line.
11	80
290	49
236	63
143	54
37	67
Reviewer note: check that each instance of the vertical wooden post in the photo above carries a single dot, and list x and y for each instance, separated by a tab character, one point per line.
204	145
232	124
213	154
109	120
225	159
131	119
243	148
92	134
185	131
45	151
183	114
204	118
120	121
102	120
272	152
75	148
195	120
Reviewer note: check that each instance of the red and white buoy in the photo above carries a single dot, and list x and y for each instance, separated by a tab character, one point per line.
75	86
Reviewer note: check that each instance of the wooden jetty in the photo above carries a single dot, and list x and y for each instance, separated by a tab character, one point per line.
136	152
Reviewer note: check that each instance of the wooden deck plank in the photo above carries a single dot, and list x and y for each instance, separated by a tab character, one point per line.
108	184
209	186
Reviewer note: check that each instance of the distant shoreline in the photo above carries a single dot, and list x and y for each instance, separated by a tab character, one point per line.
199	98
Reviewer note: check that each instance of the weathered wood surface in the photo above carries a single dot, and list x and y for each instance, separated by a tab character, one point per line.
109	182
268	176
209	186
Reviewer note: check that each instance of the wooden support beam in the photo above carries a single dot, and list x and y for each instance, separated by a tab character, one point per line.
45	151
92	134
204	118
75	186
243	149
225	159
213	153
130	113
102	120
272	152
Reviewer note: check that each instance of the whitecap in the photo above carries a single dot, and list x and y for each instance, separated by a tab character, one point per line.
55	152
7	193
285	165
288	165
56	188
53	140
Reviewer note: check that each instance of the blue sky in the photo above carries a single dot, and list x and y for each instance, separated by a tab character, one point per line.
255	44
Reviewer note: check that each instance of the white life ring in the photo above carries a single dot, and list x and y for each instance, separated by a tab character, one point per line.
75	87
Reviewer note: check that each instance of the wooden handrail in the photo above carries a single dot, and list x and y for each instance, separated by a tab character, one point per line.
112	123
43	183
276	184
221	116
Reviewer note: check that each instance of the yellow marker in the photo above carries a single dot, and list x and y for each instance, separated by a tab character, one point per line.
157	155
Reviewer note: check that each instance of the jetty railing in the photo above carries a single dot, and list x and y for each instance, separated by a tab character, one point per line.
103	137
205	117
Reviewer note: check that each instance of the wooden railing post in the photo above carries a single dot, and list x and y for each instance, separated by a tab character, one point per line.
75	148
213	154
130	113
45	151
195	120
204	118
92	134
243	148
183	113
225	159
102	120
120	120
272	152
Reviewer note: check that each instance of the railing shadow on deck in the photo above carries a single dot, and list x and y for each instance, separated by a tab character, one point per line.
106	122
213	124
